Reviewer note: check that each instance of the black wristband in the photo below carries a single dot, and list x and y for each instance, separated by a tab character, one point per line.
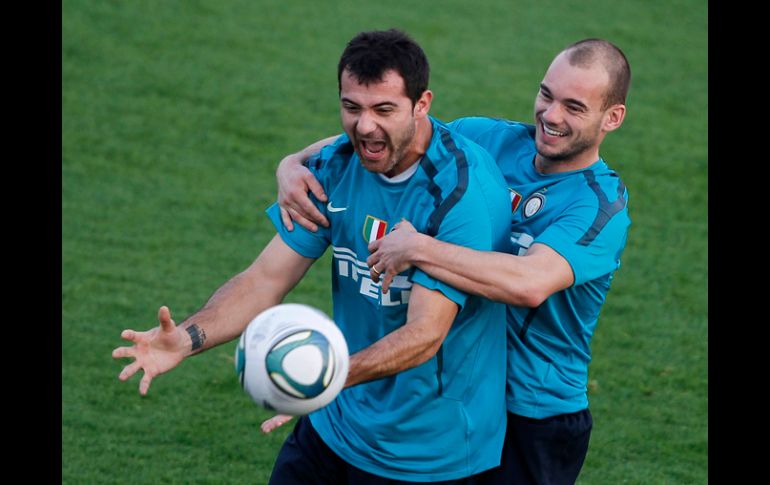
197	335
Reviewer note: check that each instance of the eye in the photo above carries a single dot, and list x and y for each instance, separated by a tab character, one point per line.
350	108
385	110
545	95
575	109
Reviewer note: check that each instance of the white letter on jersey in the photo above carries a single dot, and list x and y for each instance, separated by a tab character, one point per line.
522	240
369	288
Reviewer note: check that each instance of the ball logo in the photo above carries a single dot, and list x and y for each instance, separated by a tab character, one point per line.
301	364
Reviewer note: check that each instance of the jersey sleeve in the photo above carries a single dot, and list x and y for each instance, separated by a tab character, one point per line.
307	243
589	239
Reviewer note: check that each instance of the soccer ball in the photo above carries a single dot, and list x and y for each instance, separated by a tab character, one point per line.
292	359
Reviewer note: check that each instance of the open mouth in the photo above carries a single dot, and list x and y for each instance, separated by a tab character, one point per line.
373	149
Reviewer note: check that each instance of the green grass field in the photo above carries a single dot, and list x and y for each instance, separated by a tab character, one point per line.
174	117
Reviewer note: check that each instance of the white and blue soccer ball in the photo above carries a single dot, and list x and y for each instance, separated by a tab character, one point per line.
292	359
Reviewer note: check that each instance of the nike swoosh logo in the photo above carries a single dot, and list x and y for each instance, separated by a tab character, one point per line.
334	209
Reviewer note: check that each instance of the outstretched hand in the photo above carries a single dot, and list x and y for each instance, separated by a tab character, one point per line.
390	254
275	422
294	182
155	351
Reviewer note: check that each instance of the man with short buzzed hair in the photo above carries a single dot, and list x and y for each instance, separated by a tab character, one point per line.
569	224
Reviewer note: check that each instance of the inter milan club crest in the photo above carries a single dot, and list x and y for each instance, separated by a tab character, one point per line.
374	228
533	205
515	199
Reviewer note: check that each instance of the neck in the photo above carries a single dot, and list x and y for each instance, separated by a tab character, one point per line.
547	165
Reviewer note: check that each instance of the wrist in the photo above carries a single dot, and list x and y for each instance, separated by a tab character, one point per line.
418	252
197	338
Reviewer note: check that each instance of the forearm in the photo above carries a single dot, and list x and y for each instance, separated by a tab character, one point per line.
228	311
262	285
400	350
429	318
301	156
494	275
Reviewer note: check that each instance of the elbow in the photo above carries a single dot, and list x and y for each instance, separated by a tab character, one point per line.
429	350
534	299
528	296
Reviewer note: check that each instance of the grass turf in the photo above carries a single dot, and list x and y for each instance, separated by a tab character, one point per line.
174	116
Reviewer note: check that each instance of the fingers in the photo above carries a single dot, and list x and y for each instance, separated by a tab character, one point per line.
121	352
286	219
164	317
386	281
315	187
144	384
373	247
128	334
308	210
129	371
374	273
275	422
302	221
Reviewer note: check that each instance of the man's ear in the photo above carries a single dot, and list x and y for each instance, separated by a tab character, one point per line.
614	117
422	106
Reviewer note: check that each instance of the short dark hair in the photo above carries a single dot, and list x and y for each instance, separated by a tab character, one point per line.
587	51
369	55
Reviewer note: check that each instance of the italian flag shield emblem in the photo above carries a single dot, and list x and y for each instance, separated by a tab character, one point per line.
374	228
515	199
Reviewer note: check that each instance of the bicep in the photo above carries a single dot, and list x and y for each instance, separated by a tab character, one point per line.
280	266
431	311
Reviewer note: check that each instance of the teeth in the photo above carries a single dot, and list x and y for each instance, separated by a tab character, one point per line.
373	146
552	132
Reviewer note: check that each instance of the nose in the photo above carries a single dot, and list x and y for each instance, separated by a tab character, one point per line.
552	114
365	124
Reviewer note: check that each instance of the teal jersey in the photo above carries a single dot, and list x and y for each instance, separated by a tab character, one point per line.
582	215
443	419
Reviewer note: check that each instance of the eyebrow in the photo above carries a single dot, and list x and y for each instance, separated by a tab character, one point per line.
378	105
574	101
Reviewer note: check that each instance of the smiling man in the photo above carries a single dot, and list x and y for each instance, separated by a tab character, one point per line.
569	223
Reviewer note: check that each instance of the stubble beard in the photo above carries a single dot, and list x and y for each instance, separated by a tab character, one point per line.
398	151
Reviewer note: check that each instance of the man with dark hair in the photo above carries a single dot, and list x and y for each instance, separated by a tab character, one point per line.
425	393
569	223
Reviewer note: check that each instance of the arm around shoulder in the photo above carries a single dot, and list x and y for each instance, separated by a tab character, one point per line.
294	181
517	280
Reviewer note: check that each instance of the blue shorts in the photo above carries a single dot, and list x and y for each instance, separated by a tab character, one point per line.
544	451
305	459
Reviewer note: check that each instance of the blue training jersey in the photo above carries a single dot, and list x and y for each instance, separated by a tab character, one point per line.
582	215
443	419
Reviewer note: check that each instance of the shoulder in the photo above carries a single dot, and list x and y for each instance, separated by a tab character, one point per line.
592	199
506	141
453	160
463	178
450	149
601	184
333	160
476	127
